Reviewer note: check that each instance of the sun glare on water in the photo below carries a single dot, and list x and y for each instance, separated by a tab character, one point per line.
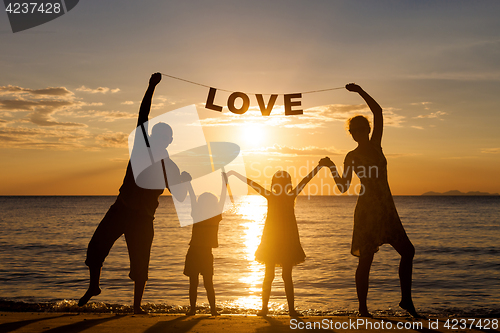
253	211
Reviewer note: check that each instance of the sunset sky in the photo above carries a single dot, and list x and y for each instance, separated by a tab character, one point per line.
70	89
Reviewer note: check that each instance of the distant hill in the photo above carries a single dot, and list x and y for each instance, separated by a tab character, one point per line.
457	193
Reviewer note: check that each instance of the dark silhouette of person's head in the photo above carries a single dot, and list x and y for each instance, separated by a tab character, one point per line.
359	127
208	204
281	182
162	135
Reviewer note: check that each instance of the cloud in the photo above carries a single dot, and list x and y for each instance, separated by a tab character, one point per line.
459	76
490	150
128	103
101	90
436	114
417	127
315	117
42	111
284	151
51	91
113	139
31	119
106	116
42	138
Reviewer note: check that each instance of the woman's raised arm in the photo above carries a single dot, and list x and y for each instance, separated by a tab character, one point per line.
378	120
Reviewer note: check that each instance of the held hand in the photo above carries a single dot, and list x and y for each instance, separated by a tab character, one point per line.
353	87
155	79
326	161
185	177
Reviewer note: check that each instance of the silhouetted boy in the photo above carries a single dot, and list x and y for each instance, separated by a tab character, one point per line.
199	259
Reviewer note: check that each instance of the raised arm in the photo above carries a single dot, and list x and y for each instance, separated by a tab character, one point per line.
343	181
180	183
148	97
192	196
222	198
261	190
296	191
378	120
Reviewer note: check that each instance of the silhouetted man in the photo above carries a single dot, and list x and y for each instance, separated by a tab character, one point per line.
132	214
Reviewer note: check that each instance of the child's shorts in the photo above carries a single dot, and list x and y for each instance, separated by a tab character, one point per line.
199	260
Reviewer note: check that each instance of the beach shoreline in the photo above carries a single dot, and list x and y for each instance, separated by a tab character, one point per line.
152	323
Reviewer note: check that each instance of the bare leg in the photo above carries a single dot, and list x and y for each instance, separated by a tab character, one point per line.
407	252
266	289
362	281
193	294
93	290
286	273
208	282
139	287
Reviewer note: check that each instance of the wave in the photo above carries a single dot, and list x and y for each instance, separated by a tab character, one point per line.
101	307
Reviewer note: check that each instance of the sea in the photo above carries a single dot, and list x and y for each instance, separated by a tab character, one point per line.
43	242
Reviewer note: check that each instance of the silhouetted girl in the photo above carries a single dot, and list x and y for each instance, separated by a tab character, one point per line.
376	220
280	243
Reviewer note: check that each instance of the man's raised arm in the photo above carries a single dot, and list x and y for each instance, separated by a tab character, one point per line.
148	97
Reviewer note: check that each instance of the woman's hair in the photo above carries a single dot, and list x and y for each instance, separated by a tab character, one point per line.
281	182
358	122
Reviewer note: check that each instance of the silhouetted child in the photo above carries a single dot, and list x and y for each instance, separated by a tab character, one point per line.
280	243
207	213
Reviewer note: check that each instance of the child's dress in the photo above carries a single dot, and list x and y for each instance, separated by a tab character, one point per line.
280	243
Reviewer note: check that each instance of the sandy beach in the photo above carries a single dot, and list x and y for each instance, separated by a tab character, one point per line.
153	323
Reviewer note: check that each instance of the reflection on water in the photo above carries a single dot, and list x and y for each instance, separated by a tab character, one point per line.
44	241
252	210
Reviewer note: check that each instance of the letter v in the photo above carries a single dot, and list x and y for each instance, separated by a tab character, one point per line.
266	111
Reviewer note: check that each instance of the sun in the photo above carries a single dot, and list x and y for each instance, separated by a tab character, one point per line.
253	134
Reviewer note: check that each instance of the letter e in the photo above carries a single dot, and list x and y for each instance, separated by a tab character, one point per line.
289	104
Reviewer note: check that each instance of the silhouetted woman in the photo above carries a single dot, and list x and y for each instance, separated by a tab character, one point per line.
376	220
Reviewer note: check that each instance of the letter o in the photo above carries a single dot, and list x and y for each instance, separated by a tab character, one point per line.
230	102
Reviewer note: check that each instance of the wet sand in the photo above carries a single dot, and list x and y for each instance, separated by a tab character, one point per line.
156	323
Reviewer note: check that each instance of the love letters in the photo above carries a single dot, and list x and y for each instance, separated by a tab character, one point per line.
290	101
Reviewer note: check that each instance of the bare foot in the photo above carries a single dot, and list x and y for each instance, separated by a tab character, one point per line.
294	314
88	295
262	313
191	312
365	314
140	311
408	306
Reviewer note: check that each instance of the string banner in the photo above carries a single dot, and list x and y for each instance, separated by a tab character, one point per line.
291	102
